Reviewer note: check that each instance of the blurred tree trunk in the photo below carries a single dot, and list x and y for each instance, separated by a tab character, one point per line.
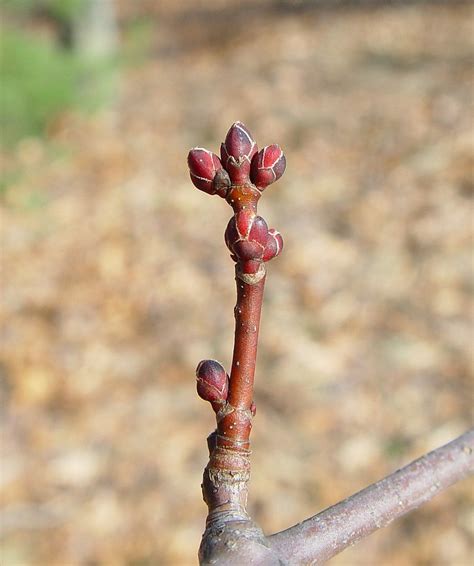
95	29
328	4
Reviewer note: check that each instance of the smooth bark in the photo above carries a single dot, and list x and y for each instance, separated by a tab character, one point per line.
317	539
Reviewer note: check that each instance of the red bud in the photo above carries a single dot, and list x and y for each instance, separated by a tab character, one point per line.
203	166
239	142
274	245
268	165
245	250
259	231
246	235
243	221
212	381
237	152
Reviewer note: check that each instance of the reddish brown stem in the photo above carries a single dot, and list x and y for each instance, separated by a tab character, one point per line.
225	482
240	176
234	420
247	322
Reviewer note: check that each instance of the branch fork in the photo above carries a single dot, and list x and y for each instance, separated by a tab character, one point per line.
240	176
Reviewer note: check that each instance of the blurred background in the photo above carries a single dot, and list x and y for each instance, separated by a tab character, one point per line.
116	280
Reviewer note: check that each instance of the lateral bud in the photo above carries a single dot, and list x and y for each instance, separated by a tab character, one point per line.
212	382
274	245
204	166
268	165
246	236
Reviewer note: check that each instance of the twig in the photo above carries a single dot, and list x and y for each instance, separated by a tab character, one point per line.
319	538
240	176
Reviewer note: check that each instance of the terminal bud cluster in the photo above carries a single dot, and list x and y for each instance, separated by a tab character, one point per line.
240	176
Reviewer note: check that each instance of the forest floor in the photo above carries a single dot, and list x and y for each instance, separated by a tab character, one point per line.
117	283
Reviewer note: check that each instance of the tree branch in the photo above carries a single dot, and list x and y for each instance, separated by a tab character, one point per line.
326	534
240	176
231	538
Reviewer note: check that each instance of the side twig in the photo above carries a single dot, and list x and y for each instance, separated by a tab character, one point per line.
326	534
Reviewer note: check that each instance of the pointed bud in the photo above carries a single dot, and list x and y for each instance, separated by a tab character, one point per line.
212	381
237	152
274	245
267	166
203	166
